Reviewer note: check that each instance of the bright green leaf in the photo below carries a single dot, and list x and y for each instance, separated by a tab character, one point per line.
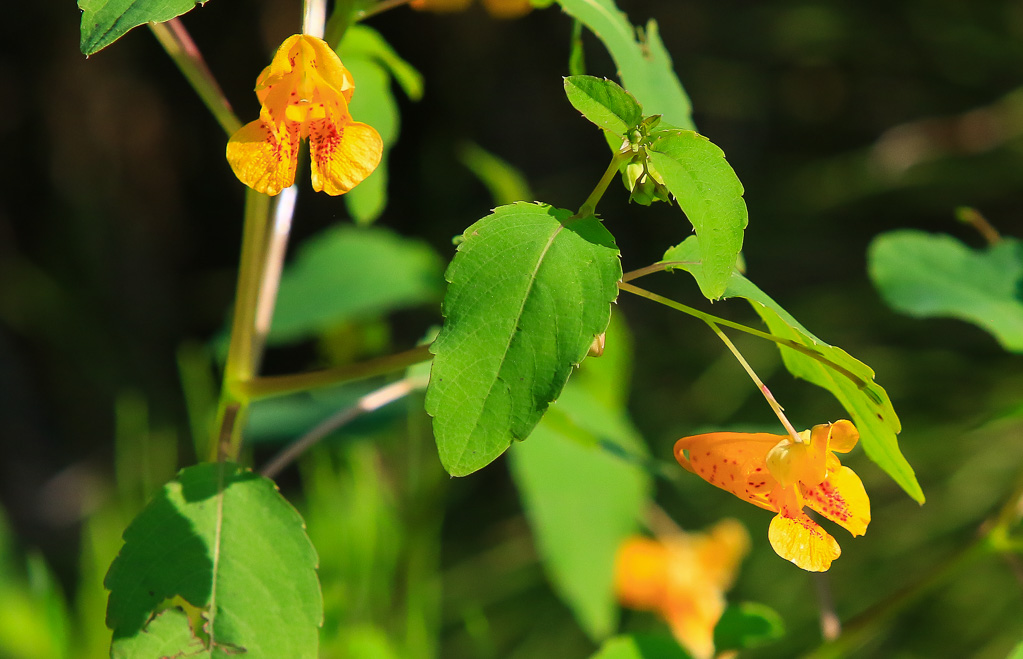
224	540
927	275
604	103
848	379
563	471
1017	652
642	61
365	43
350	274
166	635
641	646
747	625
530	288
106	21
710	194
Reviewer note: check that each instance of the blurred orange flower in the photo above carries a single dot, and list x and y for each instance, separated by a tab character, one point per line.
683	577
777	473
304	93
496	8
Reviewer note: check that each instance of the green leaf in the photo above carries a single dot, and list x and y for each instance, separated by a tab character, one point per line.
641	646
848	379
530	288
747	625
106	21
372	62
581	500
1017	652
926	275
710	194
224	540
604	103
505	183
168	634
641	59
350	274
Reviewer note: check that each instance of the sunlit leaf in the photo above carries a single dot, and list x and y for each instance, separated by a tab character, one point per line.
641	646
106	21
529	289
223	540
848	379
347	274
641	59
747	625
708	191
603	102
581	500
927	275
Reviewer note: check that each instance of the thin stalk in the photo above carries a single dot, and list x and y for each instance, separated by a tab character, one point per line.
660	266
778	409
711	318
241	355
281	385
368	403
590	205
273	265
380	7
175	39
314	17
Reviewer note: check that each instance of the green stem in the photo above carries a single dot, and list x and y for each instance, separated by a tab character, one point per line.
660	266
281	385
590	205
710	318
778	410
242	355
175	39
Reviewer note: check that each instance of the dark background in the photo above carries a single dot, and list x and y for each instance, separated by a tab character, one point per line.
120	222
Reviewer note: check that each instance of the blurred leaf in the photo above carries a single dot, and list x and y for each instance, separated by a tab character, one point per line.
641	646
106	21
349	273
530	287
219	536
1017	652
747	625
642	61
848	379
581	500
505	183
710	194
372	62
604	103
927	275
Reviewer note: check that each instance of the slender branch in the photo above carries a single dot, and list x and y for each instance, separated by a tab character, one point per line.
273	265
368	403
973	217
175	39
706	317
779	411
280	385
831	626
590	205
660	266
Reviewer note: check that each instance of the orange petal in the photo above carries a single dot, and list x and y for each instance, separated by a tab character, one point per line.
692	615
508	8
843	436
262	159
440	5
733	461
641	573
801	540
343	155
842	499
328	67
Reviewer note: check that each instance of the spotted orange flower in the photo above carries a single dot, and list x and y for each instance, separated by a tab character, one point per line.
496	8
777	473
304	93
683	577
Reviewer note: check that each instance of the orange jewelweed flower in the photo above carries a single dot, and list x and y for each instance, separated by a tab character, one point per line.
777	473
304	93
683	577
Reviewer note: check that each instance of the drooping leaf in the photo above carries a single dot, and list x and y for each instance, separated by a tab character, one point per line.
604	103
708	191
364	42
529	289
747	625
581	500
642	61
641	646
349	273
805	356
106	21
505	183
223	540
927	275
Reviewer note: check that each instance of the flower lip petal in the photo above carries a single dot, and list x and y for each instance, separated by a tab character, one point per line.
842	499
802	541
